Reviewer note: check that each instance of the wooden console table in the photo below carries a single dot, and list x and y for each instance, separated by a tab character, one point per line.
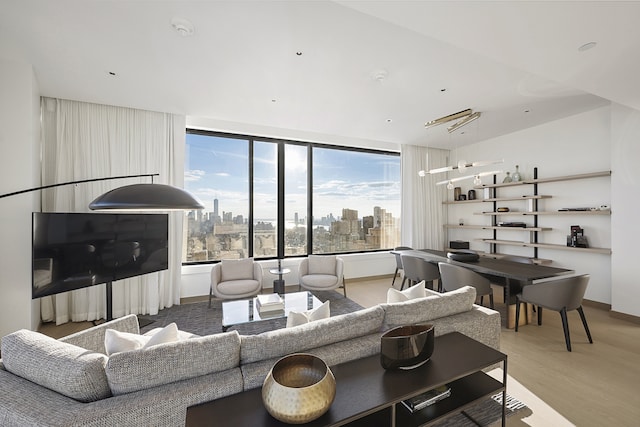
367	395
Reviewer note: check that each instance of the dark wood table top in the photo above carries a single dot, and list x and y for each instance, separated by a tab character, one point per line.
362	386
527	273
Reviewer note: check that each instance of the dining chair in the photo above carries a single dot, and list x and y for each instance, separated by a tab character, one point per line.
399	265
454	277
561	295
417	269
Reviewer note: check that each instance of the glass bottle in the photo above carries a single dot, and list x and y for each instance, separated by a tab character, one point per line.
507	178
516	175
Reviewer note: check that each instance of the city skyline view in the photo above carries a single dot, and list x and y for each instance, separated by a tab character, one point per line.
217	168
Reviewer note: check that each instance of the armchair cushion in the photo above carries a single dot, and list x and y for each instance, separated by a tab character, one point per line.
236	269
65	368
322	264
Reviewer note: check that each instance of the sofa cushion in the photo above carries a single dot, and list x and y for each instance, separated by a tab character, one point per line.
236	269
412	292
65	368
295	318
432	307
167	363
322	264
280	342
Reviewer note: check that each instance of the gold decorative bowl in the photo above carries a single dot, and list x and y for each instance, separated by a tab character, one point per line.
406	347
298	389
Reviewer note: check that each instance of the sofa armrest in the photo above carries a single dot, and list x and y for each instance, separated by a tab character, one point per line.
93	338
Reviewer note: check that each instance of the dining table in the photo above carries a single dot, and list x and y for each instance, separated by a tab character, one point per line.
509	274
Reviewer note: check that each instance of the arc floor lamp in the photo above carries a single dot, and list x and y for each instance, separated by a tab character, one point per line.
135	197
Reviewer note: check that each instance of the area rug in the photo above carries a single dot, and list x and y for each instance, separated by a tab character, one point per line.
487	412
199	319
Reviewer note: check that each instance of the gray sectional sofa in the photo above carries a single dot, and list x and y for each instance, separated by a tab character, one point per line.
71	382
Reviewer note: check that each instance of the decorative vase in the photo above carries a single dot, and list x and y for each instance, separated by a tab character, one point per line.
507	178
406	347
456	193
471	195
298	389
516	175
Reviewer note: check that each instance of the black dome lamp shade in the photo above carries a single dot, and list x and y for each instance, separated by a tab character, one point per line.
146	197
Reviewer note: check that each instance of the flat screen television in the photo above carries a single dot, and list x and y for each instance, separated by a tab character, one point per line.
76	250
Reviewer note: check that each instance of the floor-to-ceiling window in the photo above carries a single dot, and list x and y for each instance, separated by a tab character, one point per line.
267	198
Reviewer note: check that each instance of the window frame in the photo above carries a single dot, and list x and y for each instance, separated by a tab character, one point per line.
281	143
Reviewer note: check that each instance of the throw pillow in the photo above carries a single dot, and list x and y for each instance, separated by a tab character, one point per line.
322	264
117	342
413	292
236	269
165	335
300	318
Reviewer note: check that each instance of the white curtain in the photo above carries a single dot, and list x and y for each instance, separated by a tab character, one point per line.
84	141
423	214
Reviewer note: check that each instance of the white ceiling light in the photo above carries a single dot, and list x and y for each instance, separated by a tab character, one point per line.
183	27
476	177
449	118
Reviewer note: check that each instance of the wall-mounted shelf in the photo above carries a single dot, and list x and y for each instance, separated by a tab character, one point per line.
532	211
545	180
546	245
536	213
497	227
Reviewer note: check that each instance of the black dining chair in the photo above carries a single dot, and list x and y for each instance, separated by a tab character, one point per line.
417	269
454	277
399	265
561	295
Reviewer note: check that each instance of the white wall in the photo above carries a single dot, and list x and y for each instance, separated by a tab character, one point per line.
574	145
19	162
625	232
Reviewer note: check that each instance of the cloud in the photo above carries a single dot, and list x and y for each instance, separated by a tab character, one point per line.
193	175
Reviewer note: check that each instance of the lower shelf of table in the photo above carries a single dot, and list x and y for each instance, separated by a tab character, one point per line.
464	392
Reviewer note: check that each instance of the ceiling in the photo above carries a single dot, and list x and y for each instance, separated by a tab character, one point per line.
367	70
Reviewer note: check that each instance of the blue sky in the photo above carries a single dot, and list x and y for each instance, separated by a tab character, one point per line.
216	167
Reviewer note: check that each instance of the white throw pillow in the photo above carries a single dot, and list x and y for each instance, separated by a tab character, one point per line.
322	264
300	318
236	269
413	292
117	342
165	335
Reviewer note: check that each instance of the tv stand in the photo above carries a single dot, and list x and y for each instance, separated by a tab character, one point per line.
368	395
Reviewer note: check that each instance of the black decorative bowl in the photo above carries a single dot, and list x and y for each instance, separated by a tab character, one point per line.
406	347
463	255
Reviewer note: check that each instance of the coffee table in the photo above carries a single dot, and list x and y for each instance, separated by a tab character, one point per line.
245	310
367	395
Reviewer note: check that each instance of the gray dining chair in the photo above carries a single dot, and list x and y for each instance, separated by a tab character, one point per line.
417	269
399	265
561	295
454	277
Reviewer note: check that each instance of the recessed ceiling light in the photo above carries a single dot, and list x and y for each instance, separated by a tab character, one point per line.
111	73
444	89
183	27
587	46
389	120
299	53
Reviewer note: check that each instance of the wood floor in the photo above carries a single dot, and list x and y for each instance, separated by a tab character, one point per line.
594	385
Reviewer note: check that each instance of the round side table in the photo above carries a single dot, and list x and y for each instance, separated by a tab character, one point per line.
278	284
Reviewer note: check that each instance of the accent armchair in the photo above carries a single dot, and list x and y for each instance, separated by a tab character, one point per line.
235	278
322	273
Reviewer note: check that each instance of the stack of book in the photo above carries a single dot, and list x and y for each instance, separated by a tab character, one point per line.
428	398
268	303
